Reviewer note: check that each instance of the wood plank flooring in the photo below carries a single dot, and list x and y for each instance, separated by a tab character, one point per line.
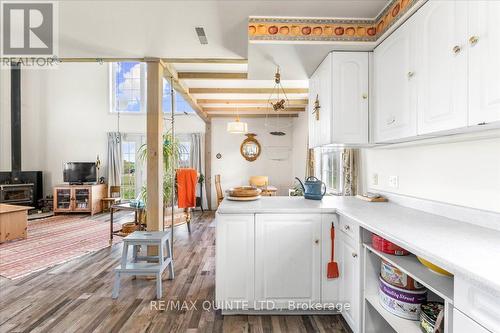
76	296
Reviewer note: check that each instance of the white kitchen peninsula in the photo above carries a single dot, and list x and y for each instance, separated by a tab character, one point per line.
272	254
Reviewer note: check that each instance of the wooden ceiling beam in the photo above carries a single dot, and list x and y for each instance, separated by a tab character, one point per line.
170	72
248	101
252	109
262	115
245	90
205	61
212	76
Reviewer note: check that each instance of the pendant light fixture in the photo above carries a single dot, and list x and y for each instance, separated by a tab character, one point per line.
237	126
277	102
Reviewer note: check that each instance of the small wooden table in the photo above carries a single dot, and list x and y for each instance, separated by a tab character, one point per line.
123	206
13	222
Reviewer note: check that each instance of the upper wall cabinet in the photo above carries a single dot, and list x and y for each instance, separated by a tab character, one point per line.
441	71
484	61
340	87
394	86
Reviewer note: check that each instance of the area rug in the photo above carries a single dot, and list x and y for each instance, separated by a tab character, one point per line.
52	241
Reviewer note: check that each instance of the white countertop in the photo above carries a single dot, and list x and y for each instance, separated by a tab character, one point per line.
464	249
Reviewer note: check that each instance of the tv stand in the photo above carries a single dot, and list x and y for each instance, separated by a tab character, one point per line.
74	198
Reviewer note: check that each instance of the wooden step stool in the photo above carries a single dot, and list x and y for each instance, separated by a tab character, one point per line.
150	265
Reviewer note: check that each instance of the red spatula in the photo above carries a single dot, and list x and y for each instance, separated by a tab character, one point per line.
332	271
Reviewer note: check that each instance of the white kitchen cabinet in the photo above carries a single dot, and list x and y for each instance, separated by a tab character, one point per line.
463	324
350	279
234	259
341	85
441	71
483	44
329	287
350	97
287	258
395	85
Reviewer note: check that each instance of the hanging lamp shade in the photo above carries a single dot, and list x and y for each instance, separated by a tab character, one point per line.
237	127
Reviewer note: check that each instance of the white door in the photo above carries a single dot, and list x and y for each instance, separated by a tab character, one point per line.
484	61
287	258
350	286
234	279
442	66
325	100
394	86
464	324
313	123
350	97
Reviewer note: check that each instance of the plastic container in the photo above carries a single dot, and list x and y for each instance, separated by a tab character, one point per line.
385	246
395	277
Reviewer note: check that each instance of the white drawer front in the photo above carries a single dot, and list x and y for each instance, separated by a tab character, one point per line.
478	303
349	227
463	324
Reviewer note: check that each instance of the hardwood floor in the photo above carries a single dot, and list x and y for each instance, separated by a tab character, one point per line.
76	296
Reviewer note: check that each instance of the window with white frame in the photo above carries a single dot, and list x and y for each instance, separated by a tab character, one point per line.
331	169
128	90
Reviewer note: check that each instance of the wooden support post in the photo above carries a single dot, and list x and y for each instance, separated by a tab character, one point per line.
155	145
208	163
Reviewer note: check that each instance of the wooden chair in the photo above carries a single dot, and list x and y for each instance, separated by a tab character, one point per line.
114	197
259	181
218	189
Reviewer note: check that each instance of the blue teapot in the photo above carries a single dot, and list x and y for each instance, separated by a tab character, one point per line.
313	188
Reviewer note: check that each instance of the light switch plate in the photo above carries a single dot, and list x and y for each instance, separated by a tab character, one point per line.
394	181
375	179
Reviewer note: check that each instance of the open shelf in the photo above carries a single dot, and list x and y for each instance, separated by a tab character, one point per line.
397	323
438	284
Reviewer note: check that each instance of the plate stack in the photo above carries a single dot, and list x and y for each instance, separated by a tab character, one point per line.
243	193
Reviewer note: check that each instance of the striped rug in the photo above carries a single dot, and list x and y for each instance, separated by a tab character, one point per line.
53	241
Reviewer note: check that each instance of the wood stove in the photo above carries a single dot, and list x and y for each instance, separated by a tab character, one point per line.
17	194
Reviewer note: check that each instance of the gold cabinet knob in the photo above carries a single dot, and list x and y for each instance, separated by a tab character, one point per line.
411	74
473	40
457	49
354	255
365	96
316	241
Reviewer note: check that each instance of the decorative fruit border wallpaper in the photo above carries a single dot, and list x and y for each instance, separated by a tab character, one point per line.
302	29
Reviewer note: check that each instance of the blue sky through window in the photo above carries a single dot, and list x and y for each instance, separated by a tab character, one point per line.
130	91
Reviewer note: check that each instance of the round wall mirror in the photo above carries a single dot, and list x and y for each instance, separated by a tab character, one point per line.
250	148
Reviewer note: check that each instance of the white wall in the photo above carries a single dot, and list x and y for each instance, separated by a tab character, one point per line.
65	117
235	170
300	135
462	173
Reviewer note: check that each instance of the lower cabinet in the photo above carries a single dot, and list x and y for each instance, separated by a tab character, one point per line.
350	281
234	252
287	259
463	324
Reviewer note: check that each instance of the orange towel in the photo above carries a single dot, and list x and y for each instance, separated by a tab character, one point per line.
186	187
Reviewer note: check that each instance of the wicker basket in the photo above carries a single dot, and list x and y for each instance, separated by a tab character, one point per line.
129	227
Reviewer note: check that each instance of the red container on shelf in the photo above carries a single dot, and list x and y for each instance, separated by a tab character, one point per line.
385	246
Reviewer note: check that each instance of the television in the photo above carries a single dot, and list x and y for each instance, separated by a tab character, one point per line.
80	172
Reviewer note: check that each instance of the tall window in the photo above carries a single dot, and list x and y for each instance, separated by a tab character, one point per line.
331	169
128	186
184	154
128	90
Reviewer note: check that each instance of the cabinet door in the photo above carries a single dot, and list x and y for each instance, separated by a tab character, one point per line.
350	97
81	199
287	258
350	283
329	287
395	88
313	123
463	324
234	281
442	66
325	100
63	199
484	61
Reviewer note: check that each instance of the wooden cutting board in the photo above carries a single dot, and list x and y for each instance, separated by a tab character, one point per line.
380	199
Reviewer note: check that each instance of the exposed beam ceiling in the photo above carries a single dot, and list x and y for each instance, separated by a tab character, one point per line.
263	115
204	61
245	90
212	76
